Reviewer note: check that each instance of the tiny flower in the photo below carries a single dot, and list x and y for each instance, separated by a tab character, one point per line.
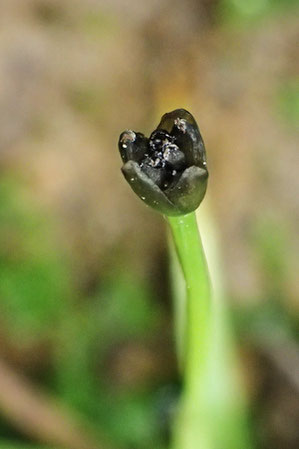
168	170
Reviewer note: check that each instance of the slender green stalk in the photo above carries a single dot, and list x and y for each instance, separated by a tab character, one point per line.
196	335
212	411
192	259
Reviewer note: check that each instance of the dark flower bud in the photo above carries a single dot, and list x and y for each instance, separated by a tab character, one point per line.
168	171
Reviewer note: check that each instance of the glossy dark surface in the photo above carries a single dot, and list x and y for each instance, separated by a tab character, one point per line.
167	170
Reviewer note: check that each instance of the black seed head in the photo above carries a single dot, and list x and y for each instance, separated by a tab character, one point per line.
168	171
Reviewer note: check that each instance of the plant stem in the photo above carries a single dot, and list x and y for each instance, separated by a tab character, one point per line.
196	335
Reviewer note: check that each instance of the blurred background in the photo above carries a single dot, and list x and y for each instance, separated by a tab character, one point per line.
87	357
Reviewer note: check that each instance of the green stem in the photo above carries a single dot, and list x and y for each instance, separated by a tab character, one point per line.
197	326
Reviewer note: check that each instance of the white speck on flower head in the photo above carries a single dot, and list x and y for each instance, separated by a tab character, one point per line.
128	136
166	153
124	145
132	179
142	197
181	124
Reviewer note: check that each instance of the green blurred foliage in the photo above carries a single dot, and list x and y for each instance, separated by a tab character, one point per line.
121	311
34	279
269	318
241	13
16	445
287	101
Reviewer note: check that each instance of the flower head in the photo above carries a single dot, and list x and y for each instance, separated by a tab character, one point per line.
168	170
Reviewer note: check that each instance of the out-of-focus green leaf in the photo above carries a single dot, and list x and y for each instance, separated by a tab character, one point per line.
243	12
122	310
4	444
34	278
287	101
125	308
